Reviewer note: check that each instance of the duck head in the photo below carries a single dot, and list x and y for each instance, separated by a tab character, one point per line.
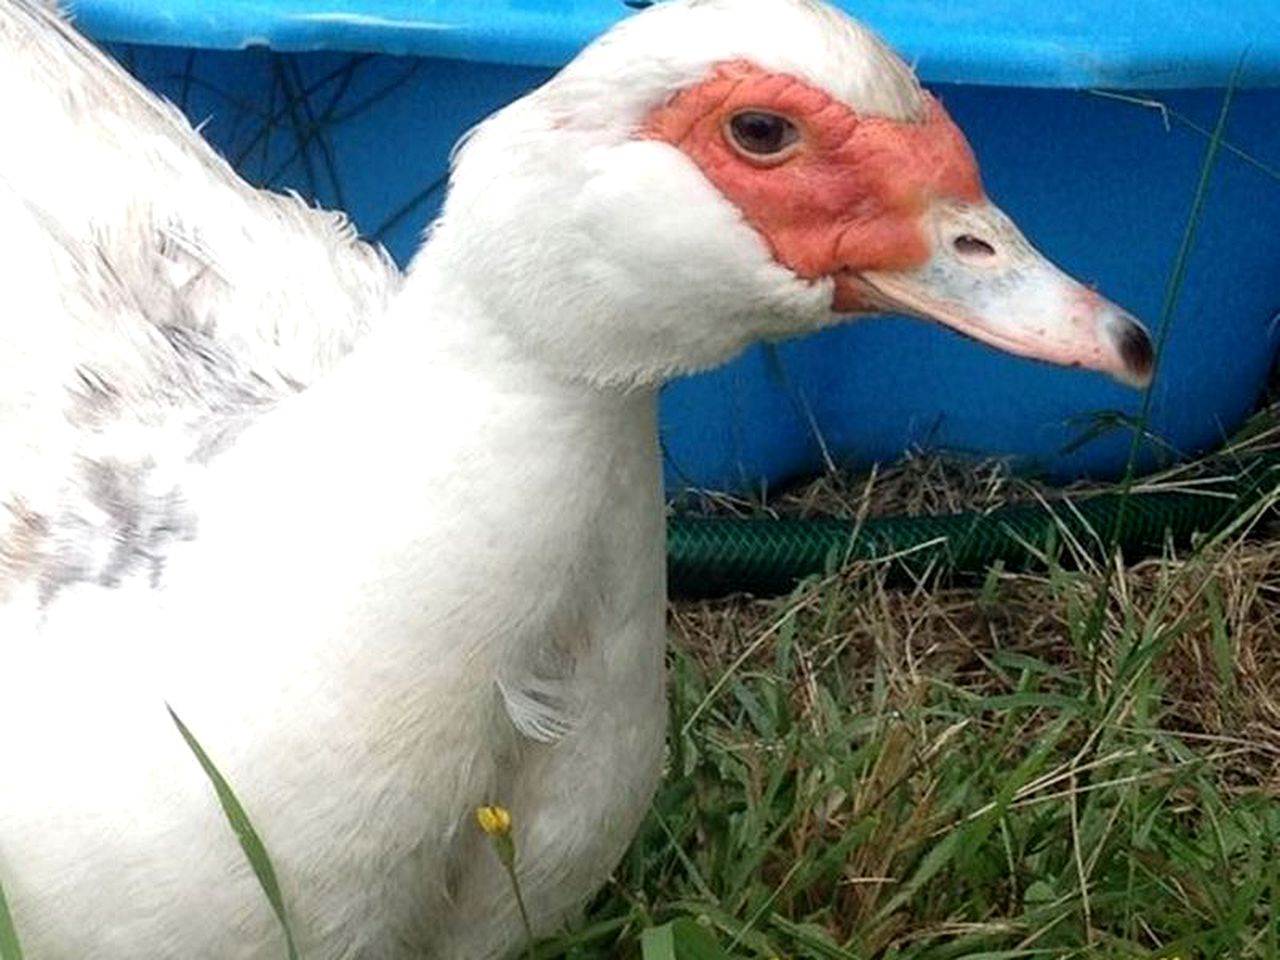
714	172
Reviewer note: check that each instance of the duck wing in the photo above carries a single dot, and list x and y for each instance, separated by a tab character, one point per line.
153	301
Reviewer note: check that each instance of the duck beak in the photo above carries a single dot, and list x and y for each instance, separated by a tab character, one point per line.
984	280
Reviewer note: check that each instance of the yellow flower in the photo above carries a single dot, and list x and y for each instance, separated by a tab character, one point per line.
495	821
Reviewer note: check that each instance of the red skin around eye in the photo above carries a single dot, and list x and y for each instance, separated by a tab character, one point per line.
850	197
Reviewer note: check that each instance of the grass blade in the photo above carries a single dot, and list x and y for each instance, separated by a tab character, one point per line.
682	939
250	842
10	948
658	943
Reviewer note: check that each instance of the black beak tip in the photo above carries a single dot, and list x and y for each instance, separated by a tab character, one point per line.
1134	346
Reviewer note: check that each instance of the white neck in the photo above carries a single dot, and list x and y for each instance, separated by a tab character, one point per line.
439	460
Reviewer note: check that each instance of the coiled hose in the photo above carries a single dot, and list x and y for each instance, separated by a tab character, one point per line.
714	556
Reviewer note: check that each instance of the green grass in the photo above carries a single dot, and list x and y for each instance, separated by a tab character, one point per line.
241	825
10	948
971	772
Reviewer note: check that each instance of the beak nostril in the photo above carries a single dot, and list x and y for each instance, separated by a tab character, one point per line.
970	246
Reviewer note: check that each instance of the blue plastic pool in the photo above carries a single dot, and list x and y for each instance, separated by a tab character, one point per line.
1091	120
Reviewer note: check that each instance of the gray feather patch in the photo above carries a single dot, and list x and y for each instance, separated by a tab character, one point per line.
120	526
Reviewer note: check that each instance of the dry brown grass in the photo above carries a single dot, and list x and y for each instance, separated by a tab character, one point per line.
1212	612
1200	633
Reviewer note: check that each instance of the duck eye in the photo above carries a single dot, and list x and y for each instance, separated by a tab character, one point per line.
761	134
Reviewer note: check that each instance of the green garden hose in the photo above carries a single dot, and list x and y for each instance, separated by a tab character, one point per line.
713	556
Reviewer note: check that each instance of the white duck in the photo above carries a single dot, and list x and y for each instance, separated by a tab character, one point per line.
434	577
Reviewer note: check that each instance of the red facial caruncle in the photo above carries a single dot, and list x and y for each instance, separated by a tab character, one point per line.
847	195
